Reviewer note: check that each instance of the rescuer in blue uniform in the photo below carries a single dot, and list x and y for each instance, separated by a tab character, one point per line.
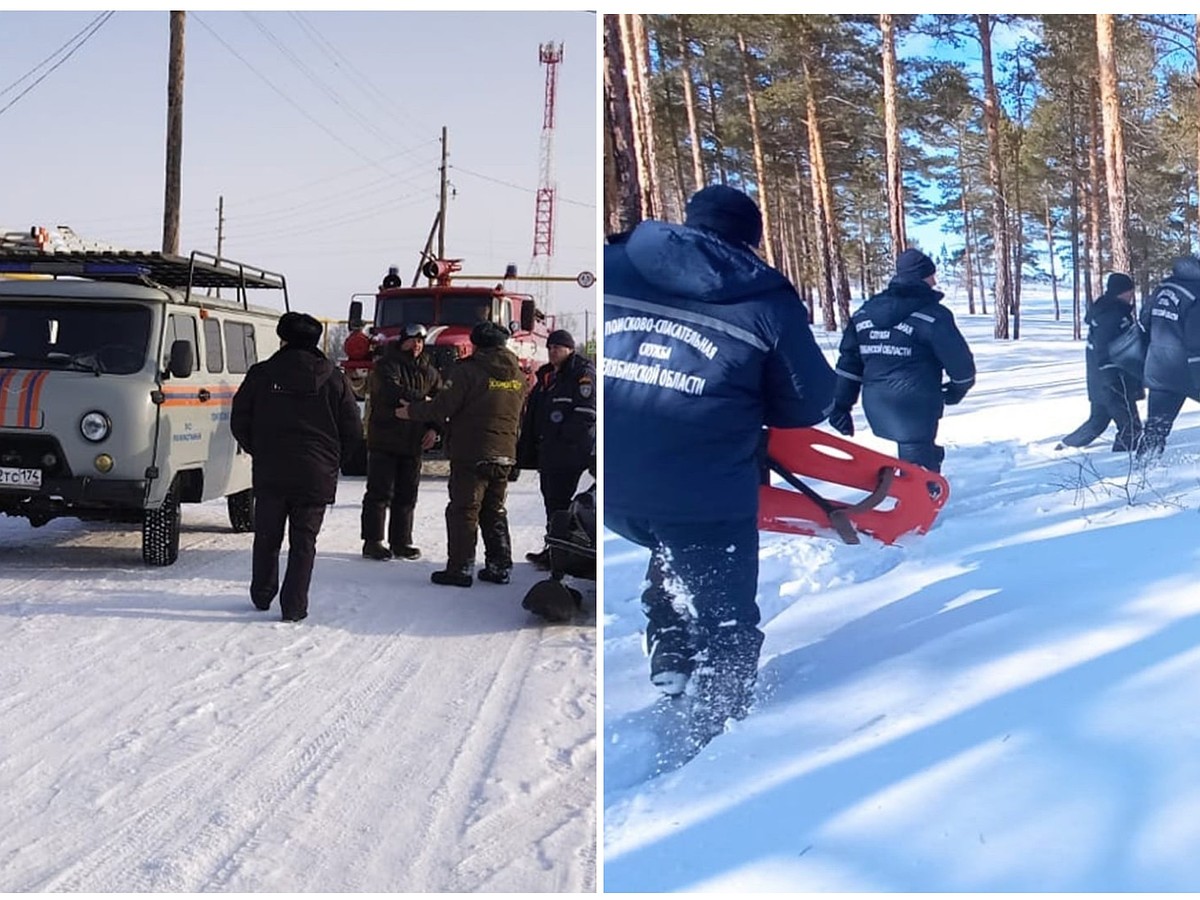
704	344
895	348
1172	353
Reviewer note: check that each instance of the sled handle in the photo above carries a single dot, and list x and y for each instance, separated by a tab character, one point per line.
839	513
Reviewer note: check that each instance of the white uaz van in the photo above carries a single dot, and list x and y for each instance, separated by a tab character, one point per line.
117	372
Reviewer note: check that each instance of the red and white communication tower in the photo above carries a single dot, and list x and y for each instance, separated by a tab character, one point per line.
549	55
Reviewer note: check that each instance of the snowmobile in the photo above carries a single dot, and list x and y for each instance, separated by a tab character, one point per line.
571	539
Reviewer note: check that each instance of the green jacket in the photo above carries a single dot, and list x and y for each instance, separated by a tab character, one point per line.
481	403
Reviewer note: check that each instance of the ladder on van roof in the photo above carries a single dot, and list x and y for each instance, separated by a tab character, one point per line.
20	254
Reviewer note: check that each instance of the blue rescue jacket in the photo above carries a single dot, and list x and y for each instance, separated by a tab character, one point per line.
895	348
704	344
1170	319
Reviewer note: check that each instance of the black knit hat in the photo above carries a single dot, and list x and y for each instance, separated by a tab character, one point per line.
299	328
561	338
489	334
913	265
727	212
1118	283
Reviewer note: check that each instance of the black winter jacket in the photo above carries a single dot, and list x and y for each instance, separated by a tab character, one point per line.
295	413
895	349
558	429
1108	318
398	376
1173	352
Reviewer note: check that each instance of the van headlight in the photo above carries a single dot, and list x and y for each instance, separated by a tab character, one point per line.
95	426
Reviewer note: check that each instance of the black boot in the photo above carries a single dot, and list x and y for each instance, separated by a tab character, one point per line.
406	551
457	576
375	550
494	574
540	559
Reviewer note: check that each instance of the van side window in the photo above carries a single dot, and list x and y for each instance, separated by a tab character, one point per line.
214	359
240	346
181	328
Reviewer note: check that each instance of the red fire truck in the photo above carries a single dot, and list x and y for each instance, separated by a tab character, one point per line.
449	308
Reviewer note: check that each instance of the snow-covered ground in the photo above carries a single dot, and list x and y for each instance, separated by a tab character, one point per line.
157	733
1008	703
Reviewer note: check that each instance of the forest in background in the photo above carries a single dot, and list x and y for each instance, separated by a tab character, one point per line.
1048	147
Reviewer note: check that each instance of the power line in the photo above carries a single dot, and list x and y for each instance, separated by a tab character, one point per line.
94	28
360	79
518	187
69	42
289	100
329	92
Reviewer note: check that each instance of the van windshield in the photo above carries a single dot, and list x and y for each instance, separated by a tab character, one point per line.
98	337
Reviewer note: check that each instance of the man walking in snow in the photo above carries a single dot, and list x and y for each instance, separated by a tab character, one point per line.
704	345
1172	375
1113	392
296	415
895	349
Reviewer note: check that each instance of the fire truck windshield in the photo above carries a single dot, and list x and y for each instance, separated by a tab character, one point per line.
447	308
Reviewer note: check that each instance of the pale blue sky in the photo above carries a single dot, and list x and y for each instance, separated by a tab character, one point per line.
329	176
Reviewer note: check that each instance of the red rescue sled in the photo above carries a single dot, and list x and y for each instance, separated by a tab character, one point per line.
916	494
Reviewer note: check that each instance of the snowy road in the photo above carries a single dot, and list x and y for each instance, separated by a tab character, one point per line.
159	734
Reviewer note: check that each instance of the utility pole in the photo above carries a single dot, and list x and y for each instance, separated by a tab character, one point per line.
220	224
174	135
442	204
220	230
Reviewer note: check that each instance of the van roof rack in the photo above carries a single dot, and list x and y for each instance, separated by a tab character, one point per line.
199	270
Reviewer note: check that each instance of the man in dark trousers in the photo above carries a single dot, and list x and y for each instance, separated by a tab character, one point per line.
704	345
1112	392
481	404
558	429
1170	320
895	349
394	447
296	415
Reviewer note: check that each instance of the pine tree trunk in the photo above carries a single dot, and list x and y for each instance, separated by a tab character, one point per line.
623	193
718	146
676	141
821	233
836	274
962	199
991	117
1073	131
1050	252
637	59
1114	145
1197	50
1095	248
895	188
760	168
689	101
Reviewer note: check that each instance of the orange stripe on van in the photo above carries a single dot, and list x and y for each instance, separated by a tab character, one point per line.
32	399
5	380
218	396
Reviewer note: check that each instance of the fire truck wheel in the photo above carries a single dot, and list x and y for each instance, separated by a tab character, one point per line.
160	531
241	511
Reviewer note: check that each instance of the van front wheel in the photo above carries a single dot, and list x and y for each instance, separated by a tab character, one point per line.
241	511
160	531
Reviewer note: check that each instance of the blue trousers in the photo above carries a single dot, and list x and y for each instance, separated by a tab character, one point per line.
702	580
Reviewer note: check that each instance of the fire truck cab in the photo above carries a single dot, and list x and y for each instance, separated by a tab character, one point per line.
448	309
